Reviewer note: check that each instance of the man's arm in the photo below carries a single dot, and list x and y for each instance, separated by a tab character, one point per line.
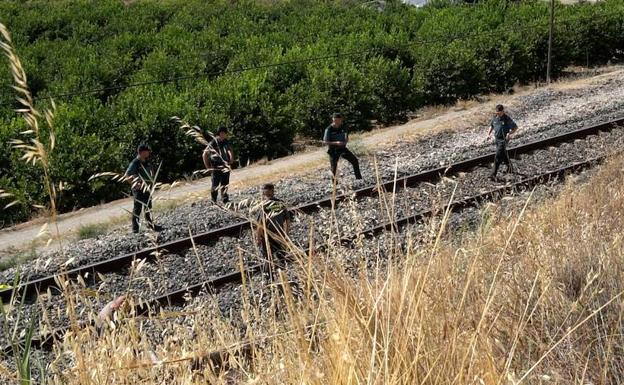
260	235
206	159
514	128
231	155
326	140
289	217
206	155
260	218
132	176
335	143
131	170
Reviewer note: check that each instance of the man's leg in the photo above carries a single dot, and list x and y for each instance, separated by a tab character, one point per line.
333	161
500	153
136	211
265	258
273	252
506	159
348	155
278	252
148	209
225	182
216	181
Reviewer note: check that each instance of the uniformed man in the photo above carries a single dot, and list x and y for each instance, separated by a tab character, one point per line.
503	127
141	177
273	224
218	157
336	137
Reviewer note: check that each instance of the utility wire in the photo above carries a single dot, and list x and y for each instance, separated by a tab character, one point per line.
445	39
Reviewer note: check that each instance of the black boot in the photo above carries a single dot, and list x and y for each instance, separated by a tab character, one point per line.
493	174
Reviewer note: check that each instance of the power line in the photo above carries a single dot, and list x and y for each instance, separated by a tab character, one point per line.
446	39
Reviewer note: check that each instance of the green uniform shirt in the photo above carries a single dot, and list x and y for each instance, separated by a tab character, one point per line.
219	151
335	134
141	169
274	213
502	125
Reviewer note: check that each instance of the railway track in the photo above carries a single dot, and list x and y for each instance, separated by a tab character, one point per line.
218	358
178	297
30	289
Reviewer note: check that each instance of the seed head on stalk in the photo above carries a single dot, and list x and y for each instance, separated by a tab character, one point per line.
35	144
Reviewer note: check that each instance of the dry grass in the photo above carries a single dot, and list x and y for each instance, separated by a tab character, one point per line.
534	298
529	298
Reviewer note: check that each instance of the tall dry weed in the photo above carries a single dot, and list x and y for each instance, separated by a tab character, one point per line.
533	298
38	141
36	144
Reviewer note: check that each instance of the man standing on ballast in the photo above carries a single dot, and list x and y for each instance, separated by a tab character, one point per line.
218	157
336	137
503	127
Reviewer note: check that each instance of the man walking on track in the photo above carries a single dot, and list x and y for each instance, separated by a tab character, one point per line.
140	175
218	156
273	224
504	127
336	137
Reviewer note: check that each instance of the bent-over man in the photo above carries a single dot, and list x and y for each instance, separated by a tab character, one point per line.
273	224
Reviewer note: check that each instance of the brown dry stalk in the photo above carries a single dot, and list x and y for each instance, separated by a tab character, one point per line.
520	302
36	147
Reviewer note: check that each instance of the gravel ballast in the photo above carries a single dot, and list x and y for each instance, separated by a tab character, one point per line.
540	114
170	272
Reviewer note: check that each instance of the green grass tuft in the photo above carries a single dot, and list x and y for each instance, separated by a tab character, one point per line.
92	230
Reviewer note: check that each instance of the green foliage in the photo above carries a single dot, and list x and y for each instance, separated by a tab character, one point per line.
17	257
399	59
20	339
91	230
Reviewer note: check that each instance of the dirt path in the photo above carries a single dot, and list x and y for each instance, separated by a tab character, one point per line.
24	236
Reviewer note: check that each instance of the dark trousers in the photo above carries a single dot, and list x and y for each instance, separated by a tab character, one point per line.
502	156
336	153
142	200
220	181
273	252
